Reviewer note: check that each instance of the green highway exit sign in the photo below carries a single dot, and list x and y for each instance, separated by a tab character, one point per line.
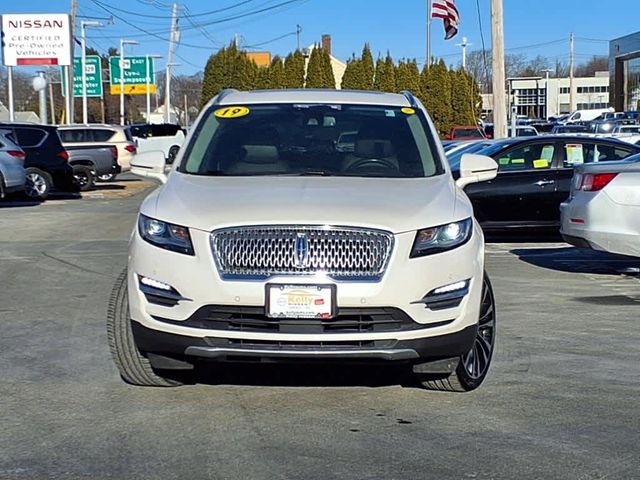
135	74
94	77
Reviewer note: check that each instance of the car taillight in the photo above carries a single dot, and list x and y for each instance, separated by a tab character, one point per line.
114	150
592	182
16	153
130	148
64	155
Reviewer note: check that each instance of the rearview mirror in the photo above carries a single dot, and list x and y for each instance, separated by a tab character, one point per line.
149	164
476	168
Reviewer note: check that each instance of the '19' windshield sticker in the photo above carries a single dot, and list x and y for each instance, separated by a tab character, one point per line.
232	112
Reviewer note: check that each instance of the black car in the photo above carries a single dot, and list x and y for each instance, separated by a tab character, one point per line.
534	177
46	161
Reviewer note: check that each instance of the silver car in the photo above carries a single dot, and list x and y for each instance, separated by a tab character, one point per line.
12	173
603	209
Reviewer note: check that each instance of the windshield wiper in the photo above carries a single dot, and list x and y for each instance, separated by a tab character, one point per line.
316	173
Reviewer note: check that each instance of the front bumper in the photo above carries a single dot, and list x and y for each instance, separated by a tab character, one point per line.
433	333
180	347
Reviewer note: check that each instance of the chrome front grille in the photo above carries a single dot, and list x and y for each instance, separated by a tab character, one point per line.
263	251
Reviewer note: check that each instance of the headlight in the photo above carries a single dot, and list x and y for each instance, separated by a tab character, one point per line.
165	235
441	238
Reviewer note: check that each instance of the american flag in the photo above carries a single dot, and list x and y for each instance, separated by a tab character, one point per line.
446	9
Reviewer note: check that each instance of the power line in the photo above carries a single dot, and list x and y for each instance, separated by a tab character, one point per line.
157	34
255	45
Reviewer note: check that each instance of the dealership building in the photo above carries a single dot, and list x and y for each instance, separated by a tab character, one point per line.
624	72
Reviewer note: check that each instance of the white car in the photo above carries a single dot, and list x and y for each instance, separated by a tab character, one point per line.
267	242
165	137
603	210
12	173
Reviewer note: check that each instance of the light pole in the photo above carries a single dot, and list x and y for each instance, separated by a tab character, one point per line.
167	96
122	69
148	80
39	85
83	66
546	95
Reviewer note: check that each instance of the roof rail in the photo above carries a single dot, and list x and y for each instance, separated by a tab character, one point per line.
223	94
409	96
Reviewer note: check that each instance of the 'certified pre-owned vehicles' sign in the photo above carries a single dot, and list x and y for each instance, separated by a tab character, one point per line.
35	39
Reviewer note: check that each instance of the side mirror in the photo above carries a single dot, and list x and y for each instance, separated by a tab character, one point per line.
476	168
448	136
149	164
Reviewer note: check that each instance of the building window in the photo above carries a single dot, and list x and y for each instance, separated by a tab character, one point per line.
564	90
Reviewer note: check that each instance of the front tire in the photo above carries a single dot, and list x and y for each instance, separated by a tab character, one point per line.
134	367
38	185
173	153
474	365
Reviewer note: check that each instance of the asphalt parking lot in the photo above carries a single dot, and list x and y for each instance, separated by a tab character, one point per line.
560	402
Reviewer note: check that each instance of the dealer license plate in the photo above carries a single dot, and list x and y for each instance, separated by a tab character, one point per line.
301	301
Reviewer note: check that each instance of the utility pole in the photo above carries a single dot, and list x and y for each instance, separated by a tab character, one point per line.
71	68
298	31
172	42
149	83
464	46
499	96
571	55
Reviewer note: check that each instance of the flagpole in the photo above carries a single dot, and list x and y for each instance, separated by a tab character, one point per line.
429	12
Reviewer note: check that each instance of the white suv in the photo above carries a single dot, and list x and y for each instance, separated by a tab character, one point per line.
268	242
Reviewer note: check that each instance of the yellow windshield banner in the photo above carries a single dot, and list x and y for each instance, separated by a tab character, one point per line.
407	110
231	112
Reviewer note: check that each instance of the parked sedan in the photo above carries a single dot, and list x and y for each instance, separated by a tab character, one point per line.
12	173
534	178
603	209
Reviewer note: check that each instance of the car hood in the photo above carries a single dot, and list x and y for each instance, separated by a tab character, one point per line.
396	205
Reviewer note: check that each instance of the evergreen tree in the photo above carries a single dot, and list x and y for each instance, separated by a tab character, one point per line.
460	99
263	78
294	70
440	89
319	71
408	77
327	70
276	73
352	74
367	68
378	74
385	77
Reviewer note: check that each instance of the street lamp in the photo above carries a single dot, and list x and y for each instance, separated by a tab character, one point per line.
39	84
167	113
123	42
83	46
148	80
546	99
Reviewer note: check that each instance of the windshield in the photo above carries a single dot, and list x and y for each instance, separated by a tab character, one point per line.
467	132
311	139
455	157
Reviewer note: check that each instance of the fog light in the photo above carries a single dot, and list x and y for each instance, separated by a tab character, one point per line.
450	288
446	296
159	292
150	282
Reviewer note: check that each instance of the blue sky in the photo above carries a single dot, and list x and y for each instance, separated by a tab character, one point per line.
398	27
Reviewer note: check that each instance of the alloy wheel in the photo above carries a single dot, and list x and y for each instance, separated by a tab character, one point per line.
476	362
36	185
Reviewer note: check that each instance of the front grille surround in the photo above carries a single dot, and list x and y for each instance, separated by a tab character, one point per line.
264	251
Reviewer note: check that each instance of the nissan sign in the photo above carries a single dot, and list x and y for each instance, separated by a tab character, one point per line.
36	39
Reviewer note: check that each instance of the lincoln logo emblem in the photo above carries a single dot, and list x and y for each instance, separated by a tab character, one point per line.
302	251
